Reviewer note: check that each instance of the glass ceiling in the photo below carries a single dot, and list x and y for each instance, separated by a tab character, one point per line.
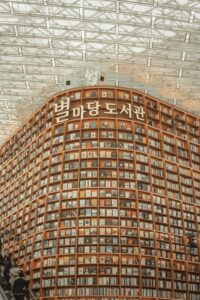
149	45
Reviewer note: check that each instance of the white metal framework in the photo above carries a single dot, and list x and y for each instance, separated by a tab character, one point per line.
150	45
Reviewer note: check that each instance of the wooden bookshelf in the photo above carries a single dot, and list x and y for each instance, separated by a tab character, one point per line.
100	197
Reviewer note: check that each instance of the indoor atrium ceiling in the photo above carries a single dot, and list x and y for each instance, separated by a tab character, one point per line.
149	45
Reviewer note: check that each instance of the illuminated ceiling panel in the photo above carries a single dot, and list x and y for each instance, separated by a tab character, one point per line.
150	45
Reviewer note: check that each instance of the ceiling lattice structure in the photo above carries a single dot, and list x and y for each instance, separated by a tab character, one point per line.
149	45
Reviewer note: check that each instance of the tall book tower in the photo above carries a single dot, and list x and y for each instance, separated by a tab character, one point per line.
100	197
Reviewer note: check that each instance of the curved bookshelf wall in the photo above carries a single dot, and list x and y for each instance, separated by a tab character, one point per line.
100	197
